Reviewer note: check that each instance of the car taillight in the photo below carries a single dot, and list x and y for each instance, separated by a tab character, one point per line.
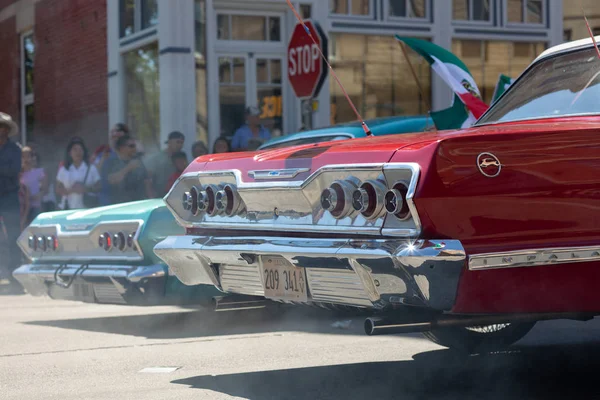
337	199
210	200
32	242
105	241
368	198
52	243
130	241
228	200
395	201
119	241
41	243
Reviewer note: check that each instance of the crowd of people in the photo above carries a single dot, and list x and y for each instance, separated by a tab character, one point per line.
114	173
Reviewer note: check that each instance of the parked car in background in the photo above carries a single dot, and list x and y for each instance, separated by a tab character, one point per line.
104	255
379	127
470	236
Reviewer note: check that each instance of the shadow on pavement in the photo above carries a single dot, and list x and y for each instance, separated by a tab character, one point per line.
208	323
544	372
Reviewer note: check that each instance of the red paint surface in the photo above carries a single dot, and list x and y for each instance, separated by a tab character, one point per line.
547	195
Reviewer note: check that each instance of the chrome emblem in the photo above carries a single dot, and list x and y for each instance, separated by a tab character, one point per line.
489	165
277	173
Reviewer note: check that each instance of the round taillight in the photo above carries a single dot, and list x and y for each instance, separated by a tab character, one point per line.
210	199
119	241
228	201
368	199
32	242
51	243
395	201
41	243
187	201
130	241
105	241
337	199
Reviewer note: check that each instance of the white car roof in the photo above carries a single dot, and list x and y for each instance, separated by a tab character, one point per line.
577	44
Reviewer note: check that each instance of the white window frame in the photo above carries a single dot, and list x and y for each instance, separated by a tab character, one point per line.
247	13
524	23
469	21
137	25
388	17
251	85
26	99
370	16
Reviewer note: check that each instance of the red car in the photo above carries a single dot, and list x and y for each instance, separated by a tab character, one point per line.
469	236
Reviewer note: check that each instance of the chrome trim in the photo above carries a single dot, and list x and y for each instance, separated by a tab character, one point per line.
62	234
279	222
364	273
533	257
287	173
38	278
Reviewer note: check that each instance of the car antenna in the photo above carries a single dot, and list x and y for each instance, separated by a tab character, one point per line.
590	32
362	121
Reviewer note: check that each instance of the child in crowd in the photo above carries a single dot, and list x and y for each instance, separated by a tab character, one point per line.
180	162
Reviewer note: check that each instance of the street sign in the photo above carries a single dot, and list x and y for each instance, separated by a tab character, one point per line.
306	68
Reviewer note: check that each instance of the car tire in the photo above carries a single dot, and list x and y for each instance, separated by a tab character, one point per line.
479	339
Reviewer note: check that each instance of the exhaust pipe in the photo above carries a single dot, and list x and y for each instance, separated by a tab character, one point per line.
411	324
237	303
386	326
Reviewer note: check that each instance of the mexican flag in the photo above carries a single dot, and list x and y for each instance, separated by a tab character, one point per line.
467	105
503	84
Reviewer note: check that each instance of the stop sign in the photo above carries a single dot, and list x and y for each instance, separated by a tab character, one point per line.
306	67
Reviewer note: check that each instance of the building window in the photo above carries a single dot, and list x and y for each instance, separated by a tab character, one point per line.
407	8
488	59
350	7
526	11
306	11
567	35
143	95
471	10
27	88
248	27
137	15
374	72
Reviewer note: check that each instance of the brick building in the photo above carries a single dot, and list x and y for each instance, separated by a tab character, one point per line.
53	72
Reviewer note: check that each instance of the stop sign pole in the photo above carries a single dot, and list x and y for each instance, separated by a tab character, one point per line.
306	67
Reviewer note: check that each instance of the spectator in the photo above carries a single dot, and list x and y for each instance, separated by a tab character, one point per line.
221	145
126	175
251	135
199	149
10	167
180	162
35	180
77	181
161	165
118	131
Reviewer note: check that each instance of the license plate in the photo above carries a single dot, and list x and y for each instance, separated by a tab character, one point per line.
282	280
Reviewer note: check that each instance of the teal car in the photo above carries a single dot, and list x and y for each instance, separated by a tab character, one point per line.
104	255
378	126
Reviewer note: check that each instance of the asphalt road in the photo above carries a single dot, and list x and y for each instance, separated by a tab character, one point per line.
66	350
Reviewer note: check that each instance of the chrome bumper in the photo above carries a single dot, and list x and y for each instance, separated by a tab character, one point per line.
362	273
115	284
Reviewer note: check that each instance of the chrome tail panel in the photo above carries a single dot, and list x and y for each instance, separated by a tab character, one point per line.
370	273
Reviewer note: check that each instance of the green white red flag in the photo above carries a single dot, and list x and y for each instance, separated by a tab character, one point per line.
456	74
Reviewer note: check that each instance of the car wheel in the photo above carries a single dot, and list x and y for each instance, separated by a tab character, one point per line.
479	339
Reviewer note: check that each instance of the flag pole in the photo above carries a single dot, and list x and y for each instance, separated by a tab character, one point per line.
414	74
